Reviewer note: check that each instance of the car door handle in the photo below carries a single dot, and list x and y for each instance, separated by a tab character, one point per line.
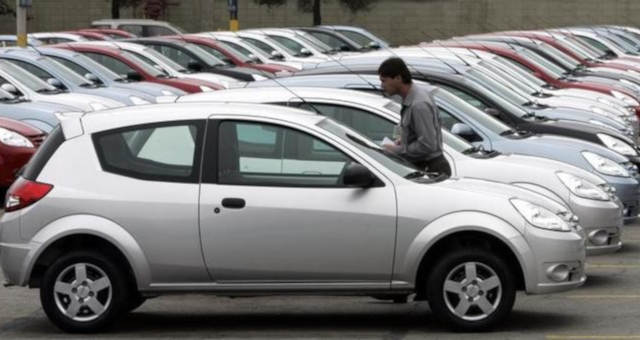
233	203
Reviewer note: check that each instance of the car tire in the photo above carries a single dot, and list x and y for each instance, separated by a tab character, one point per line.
84	292
471	289
136	301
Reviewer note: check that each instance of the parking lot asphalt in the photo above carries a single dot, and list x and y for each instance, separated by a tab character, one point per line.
606	307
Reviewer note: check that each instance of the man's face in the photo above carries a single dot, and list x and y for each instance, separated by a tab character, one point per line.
391	85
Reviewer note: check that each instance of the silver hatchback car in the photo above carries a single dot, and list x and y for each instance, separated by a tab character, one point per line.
237	199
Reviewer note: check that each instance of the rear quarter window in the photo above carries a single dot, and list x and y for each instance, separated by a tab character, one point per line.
47	149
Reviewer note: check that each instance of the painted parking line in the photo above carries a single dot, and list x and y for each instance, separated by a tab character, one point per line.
604	296
605	337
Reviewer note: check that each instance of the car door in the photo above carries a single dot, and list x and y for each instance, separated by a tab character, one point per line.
273	210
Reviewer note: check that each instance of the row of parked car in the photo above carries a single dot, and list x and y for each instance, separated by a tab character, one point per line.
264	175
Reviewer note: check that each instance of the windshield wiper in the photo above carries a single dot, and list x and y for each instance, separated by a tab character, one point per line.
89	86
50	91
508	132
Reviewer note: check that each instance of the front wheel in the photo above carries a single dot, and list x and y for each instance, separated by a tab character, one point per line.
471	289
84	292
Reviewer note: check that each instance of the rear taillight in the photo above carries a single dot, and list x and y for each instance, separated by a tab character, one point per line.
24	193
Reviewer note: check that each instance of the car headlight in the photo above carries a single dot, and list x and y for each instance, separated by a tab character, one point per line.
617	145
539	217
581	187
204	88
10	138
604	165
97	106
625	98
138	101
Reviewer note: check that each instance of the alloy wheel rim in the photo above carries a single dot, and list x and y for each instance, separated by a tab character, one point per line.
472	291
82	292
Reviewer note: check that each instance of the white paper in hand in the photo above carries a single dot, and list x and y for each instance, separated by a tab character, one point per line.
386	141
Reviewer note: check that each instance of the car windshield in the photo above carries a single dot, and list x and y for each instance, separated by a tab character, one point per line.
214	52
559	56
66	72
593	52
148	68
489	82
203	55
521	71
623	45
290	44
361	39
460	106
167	62
27	79
314	42
236	49
578	50
544	64
510	78
94	66
396	164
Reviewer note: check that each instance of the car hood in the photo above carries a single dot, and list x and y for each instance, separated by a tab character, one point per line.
19	127
153	89
580	115
79	101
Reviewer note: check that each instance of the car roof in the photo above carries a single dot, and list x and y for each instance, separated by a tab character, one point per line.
157	113
280	94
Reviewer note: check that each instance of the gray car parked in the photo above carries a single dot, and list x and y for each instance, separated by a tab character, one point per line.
252	220
41	115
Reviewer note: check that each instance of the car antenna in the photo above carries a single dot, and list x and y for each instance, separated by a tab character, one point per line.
337	61
445	47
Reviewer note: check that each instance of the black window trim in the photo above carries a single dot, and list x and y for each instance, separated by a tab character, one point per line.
197	153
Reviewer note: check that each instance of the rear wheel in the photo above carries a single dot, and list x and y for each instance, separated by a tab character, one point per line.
471	289
84	292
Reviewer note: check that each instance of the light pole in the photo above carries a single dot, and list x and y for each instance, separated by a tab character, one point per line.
21	21
233	15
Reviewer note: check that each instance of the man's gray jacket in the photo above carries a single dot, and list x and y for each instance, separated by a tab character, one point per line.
421	135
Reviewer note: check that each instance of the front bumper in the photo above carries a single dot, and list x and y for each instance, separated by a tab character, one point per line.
602	223
552	249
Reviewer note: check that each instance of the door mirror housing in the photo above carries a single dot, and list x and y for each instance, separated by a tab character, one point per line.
92	78
357	175
305	52
275	55
462	129
373	45
10	88
55	83
492	112
134	76
194	66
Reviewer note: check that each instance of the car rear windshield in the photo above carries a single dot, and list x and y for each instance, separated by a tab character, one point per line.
47	149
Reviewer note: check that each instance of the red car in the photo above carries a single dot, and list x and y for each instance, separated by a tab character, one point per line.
210	45
113	33
18	142
94	36
537	71
136	69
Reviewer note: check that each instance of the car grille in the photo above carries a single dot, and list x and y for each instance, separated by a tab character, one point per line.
38	140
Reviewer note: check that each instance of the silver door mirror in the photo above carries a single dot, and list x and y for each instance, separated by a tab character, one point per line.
462	129
91	77
275	55
356	175
10	88
253	58
373	45
305	51
55	83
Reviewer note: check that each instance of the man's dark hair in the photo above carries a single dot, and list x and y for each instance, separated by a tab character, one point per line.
394	67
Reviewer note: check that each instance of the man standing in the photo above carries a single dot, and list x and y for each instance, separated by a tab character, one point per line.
421	138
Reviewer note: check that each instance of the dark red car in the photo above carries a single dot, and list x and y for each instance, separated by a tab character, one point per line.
557	44
93	36
136	69
113	33
221	52
558	82
18	142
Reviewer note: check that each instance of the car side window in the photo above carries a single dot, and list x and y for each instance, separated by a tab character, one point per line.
111	63
264	154
368	124
175	54
73	66
133	29
162	152
259	44
153	31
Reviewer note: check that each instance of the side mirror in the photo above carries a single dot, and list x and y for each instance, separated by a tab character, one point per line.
10	88
194	66
253	58
492	112
373	45
91	77
134	76
462	129
305	51
55	83
356	175
345	48
275	55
